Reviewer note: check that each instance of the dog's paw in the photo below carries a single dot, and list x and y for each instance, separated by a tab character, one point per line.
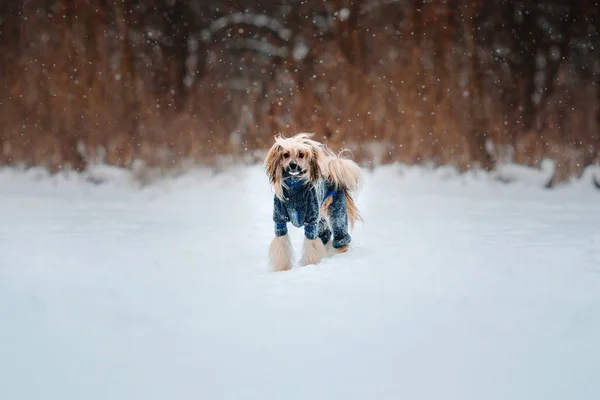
282	267
342	249
332	251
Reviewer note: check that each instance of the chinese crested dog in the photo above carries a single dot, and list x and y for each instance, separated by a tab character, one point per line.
314	189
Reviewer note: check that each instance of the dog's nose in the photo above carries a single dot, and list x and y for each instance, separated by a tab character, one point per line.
293	165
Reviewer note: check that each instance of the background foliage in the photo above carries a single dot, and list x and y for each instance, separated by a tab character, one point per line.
468	83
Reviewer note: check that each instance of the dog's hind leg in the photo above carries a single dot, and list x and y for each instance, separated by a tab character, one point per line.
338	219
281	253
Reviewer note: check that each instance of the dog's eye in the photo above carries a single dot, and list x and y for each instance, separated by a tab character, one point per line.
286	155
300	155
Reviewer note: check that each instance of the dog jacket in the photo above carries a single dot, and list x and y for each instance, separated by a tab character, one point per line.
300	206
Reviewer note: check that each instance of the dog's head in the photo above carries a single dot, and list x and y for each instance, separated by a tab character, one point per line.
298	156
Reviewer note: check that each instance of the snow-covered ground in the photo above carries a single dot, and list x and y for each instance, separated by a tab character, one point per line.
459	288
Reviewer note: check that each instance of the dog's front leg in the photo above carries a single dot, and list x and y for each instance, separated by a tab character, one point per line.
281	253
313	252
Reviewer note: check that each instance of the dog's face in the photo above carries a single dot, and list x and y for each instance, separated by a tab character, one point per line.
294	161
297	156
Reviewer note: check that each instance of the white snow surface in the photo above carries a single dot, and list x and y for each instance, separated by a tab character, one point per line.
454	288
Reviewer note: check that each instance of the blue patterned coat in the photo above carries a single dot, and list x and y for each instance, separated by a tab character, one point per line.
300	206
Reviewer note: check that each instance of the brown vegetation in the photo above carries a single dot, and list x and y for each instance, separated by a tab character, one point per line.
468	83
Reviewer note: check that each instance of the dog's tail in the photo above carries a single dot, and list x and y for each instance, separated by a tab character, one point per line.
347	176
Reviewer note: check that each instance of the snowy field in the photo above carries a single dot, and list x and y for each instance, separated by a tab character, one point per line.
455	288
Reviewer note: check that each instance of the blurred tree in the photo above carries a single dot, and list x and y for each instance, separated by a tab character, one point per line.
461	82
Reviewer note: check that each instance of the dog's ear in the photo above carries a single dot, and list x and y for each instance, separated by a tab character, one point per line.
315	172
272	162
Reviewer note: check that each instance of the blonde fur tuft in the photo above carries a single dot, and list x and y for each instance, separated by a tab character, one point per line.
314	251
273	169
281	253
352	210
345	174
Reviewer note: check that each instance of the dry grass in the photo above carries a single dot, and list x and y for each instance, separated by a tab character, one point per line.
69	104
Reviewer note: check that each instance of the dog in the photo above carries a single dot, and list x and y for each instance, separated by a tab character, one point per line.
314	189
